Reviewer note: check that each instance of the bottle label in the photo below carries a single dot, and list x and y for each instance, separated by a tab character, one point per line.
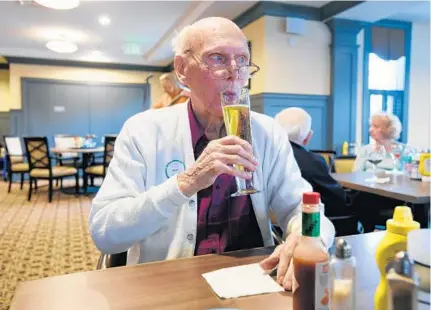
321	290
311	224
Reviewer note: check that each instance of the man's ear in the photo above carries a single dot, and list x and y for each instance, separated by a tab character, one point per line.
308	138
180	69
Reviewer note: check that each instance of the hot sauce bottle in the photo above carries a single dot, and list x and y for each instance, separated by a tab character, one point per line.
310	260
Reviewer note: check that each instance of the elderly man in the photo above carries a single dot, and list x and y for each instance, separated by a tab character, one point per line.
314	169
167	191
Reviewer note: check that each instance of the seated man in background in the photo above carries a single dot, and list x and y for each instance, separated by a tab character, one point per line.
314	169
167	193
174	92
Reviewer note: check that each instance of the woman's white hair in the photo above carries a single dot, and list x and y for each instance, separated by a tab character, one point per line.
392	126
296	122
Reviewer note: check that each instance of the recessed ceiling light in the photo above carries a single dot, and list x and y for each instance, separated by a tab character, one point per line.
58	4
104	20
96	53
62	47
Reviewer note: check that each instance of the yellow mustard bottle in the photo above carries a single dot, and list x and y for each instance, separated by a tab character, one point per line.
425	165
345	149
394	241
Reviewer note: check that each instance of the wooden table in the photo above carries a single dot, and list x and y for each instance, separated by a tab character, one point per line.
400	187
176	284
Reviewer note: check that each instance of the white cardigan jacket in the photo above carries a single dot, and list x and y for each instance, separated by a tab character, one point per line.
140	209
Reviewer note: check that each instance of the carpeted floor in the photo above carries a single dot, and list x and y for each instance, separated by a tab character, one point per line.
40	239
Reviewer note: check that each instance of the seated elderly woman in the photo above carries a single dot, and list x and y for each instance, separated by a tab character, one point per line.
385	129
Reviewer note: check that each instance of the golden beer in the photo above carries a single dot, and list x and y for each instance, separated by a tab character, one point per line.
236	114
237	122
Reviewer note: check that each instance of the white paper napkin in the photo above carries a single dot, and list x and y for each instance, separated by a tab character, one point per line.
241	281
378	180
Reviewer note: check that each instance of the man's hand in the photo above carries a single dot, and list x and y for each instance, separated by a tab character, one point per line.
218	158
282	256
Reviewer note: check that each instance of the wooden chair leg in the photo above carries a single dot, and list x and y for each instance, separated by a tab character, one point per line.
77	183
91	181
35	184
50	190
30	189
56	183
10	183
22	180
61	183
85	182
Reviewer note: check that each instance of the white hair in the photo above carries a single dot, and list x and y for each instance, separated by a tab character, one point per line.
392	125
192	37
296	122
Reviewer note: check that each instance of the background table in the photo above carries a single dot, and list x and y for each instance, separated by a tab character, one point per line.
177	284
401	188
84	152
415	193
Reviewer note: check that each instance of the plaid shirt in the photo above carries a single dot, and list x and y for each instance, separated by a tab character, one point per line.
224	223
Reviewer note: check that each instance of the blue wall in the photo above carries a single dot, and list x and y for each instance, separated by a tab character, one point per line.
316	105
87	107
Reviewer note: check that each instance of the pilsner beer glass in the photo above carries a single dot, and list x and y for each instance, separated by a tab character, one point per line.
236	114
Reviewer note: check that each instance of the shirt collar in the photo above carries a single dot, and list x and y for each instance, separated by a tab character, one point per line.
196	128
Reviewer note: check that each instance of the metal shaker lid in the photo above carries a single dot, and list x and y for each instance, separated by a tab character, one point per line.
403	265
343	249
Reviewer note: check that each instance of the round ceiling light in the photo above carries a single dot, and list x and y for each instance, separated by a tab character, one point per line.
62	47
104	20
58	4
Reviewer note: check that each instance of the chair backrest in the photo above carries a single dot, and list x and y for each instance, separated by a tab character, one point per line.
63	141
37	152
344	165
108	154
13	146
328	155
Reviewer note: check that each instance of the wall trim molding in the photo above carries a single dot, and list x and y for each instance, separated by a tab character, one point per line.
269	8
82	64
69	82
331	9
289	96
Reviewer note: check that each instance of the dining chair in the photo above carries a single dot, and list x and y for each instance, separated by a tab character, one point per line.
15	163
111	260
99	170
40	164
69	158
344	164
328	155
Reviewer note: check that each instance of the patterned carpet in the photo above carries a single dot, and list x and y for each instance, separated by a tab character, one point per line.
40	239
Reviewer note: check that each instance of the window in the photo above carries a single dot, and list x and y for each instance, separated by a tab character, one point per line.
386	85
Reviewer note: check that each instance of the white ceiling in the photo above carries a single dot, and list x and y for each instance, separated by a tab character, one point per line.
145	26
372	11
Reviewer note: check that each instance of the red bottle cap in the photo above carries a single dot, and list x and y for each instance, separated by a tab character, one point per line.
311	198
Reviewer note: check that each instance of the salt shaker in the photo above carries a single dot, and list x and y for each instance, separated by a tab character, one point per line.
343	277
403	283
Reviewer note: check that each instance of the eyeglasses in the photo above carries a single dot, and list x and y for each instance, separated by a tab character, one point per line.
223	71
